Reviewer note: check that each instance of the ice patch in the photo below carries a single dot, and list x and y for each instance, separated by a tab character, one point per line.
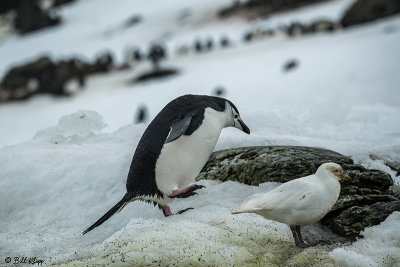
379	247
74	127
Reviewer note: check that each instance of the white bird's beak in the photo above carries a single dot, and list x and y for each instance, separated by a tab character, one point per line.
344	177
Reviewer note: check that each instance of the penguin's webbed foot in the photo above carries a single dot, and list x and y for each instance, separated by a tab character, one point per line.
167	210
184	210
186	192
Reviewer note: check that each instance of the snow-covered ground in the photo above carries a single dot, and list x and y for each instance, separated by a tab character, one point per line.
344	95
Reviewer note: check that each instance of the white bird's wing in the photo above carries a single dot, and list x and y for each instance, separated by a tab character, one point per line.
284	197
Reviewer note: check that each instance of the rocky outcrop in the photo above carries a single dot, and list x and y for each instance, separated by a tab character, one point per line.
30	17
369	10
255	165
259	8
355	219
44	75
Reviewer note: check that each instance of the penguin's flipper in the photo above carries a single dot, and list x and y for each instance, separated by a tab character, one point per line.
117	208
179	127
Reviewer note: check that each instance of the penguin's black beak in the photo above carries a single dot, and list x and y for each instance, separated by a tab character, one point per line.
244	127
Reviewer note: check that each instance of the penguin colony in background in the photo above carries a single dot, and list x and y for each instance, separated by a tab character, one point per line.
173	150
177	144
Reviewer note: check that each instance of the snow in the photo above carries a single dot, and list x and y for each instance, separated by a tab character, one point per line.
64	161
379	247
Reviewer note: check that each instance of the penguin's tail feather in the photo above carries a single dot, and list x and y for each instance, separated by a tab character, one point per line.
117	208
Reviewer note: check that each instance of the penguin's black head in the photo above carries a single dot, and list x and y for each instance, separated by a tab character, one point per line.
233	117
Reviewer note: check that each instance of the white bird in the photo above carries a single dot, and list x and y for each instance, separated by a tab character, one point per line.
299	202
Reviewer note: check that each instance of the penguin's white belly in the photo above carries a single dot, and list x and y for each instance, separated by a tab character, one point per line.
182	160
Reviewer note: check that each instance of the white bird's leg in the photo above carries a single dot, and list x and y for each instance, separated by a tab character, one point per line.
298	239
167	210
186	192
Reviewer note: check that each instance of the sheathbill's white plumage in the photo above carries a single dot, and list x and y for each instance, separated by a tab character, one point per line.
299	202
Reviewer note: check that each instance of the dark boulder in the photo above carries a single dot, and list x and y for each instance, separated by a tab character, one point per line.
155	75
253	9
8	5
132	21
44	75
30	17
355	219
256	165
369	10
322	26
57	3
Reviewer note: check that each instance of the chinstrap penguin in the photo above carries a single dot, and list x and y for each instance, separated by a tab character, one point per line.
299	202
173	150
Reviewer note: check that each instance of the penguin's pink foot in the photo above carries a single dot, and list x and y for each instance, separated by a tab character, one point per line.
186	192
167	211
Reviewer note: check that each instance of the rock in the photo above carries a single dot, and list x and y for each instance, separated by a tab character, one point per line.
295	29
256	165
30	17
156	74
355	219
253	9
43	75
322	26
369	10
40	76
57	3
347	201
8	5
183	50
394	190
132	21
393	165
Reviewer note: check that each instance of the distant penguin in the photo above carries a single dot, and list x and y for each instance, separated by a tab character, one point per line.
141	115
224	42
173	150
198	46
219	91
209	44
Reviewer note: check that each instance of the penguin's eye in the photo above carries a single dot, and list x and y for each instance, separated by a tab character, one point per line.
236	115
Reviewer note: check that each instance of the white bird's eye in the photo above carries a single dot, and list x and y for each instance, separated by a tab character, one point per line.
236	115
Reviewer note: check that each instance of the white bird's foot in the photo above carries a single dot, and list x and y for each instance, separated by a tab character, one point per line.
167	211
298	239
186	192
303	245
